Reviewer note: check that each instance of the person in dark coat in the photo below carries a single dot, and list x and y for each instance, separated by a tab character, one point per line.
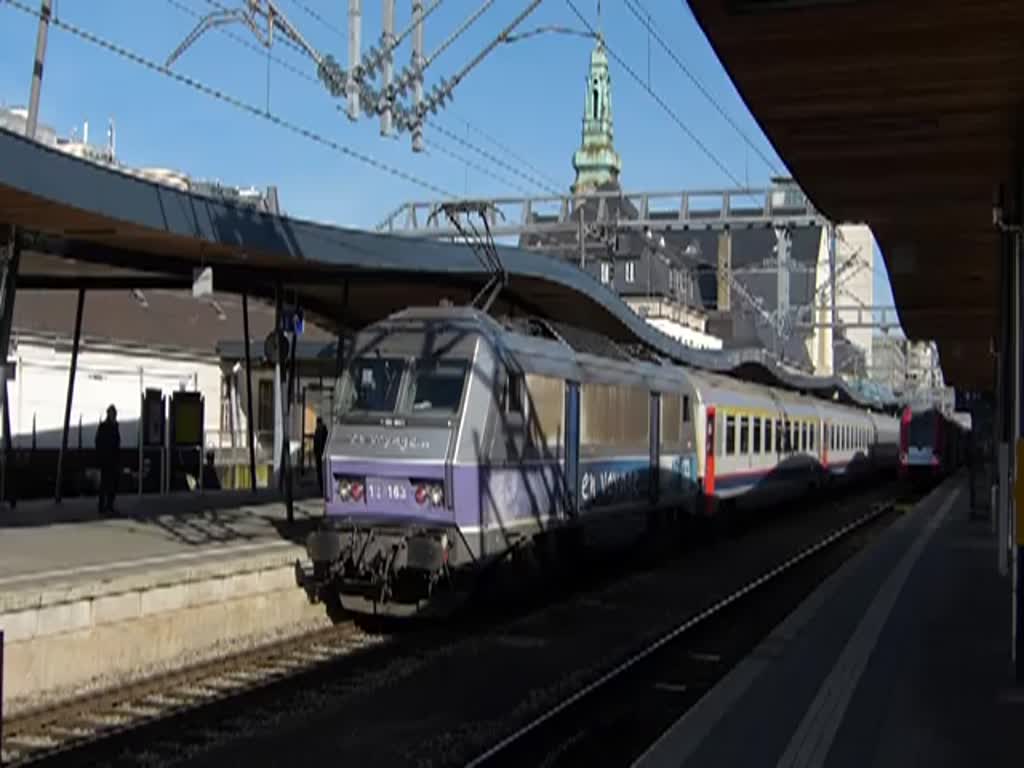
108	454
319	446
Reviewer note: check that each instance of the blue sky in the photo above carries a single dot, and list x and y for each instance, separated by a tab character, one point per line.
527	95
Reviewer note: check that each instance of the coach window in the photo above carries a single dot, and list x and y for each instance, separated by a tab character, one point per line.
803	436
730	435
767	435
744	435
756	440
686	409
810	436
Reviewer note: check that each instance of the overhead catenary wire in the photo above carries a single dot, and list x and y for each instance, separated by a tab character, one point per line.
635	8
498	144
263	51
476	166
316	15
240	104
661	102
494	159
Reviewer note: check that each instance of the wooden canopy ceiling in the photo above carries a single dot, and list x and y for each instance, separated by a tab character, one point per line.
904	116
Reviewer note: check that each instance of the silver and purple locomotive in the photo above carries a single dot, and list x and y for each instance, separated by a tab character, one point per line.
458	439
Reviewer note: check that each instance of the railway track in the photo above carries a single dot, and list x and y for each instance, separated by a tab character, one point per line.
204	714
36	737
612	719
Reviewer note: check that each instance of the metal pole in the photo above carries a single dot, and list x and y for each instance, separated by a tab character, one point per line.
832	292
302	433
71	393
248	393
138	431
417	65
782	279
1017	522
289	498
11	258
387	41
340	351
37	69
355	25
278	426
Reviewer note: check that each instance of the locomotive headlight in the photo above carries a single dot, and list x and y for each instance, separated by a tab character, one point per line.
436	495
344	489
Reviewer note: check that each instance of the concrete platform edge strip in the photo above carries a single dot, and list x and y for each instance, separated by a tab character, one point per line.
143	634
678	743
65	609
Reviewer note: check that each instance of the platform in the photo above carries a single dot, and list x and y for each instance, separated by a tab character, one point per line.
901	658
45	545
88	600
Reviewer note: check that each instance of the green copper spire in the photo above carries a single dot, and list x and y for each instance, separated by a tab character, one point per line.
597	162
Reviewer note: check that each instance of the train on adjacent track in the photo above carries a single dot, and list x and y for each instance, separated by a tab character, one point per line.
932	444
460	440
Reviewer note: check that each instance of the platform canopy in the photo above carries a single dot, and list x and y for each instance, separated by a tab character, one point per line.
86	225
905	116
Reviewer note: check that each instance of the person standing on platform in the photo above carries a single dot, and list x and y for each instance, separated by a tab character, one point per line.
319	446
108	454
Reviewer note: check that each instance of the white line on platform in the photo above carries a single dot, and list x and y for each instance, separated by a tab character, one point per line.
813	738
177	557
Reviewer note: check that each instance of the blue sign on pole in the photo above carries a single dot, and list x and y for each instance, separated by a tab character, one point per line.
292	321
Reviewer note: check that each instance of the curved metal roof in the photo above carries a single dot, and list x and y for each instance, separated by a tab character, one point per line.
97	219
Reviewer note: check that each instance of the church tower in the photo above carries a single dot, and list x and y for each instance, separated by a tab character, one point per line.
596	161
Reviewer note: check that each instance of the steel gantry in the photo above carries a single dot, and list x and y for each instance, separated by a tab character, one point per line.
558	214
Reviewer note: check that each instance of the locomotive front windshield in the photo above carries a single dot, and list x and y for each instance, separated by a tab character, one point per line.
377	382
397	385
922	430
437	385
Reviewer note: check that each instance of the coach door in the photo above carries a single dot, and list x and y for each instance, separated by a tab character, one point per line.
709	452
572	445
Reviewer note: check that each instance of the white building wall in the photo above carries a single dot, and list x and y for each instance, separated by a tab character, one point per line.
855	286
104	377
685	335
857	283
819	343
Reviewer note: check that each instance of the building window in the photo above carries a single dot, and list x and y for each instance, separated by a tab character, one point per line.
630	271
606	272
